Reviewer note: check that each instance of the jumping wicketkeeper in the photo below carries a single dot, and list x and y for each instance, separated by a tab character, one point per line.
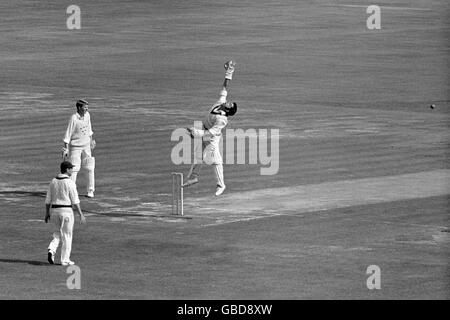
211	133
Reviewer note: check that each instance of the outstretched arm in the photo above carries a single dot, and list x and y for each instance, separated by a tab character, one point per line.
229	70
224	92
225	83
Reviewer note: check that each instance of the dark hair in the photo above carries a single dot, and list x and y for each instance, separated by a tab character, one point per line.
65	165
232	111
81	103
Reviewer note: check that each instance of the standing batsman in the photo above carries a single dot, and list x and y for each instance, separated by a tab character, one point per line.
79	143
211	134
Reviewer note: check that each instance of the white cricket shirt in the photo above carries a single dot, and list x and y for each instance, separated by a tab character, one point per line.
62	191
79	130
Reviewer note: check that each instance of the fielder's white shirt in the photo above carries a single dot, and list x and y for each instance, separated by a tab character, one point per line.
79	130
62	191
215	122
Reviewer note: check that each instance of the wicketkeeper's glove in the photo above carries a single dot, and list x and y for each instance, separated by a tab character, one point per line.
229	69
64	153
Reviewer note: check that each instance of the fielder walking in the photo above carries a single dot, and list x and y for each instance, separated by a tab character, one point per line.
211	134
79	143
61	196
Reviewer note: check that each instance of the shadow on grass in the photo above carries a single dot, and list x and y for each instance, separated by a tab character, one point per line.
142	215
26	193
32	262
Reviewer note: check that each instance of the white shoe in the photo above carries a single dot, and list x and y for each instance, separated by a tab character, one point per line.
90	194
67	263
220	190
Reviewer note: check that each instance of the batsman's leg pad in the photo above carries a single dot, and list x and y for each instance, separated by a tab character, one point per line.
88	163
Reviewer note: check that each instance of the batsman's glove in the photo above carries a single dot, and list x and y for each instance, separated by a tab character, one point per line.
64	153
93	144
229	69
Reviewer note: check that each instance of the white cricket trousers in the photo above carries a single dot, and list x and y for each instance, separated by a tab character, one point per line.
77	156
63	220
209	154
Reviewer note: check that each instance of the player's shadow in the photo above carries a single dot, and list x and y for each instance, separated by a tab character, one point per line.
32	262
26	193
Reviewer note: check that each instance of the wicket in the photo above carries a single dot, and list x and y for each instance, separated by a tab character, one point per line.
177	193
